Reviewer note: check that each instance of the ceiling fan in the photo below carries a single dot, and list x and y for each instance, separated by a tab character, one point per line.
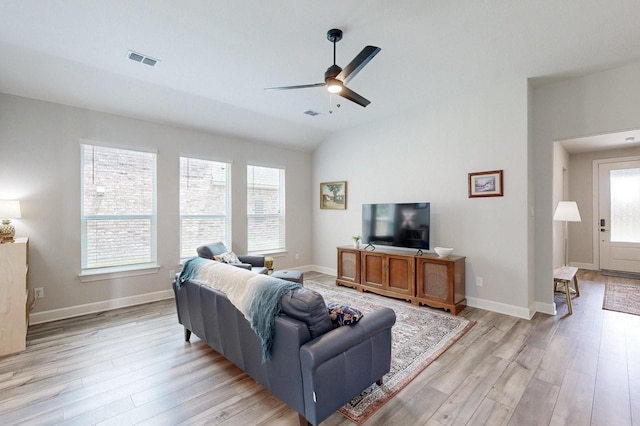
335	77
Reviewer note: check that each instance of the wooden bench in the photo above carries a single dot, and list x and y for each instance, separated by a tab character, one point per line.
564	275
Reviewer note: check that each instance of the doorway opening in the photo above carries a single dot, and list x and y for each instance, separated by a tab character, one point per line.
577	177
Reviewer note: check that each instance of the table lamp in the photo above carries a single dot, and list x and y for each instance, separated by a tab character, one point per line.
9	209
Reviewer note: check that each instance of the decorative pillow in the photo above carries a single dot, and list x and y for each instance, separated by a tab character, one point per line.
229	257
343	315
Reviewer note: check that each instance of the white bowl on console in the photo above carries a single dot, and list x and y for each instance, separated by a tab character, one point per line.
443	251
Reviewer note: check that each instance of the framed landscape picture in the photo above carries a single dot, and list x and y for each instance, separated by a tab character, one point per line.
333	195
486	184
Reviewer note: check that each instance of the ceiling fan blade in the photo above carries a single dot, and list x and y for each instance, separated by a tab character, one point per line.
353	96
304	86
358	63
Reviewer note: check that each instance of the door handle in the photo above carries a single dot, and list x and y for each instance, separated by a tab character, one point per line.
602	229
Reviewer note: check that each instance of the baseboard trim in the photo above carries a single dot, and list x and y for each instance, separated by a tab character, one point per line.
546	308
90	308
322	269
501	308
588	266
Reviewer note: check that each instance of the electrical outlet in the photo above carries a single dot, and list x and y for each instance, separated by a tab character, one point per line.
38	293
479	281
297	256
172	273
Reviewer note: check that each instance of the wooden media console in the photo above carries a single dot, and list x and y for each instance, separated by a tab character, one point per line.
424	279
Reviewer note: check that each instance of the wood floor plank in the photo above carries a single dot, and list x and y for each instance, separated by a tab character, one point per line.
511	385
99	413
465	400
189	401
633	354
250	395
509	348
611	401
491	413
536	405
575	399
415	410
452	376
479	394
556	360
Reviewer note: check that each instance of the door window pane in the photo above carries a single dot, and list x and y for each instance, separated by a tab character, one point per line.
625	205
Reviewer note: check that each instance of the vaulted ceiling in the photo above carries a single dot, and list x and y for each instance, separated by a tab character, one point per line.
216	57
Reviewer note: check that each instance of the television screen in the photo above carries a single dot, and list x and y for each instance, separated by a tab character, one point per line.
396	224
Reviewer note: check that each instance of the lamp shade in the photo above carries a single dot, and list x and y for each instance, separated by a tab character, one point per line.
10	209
567	211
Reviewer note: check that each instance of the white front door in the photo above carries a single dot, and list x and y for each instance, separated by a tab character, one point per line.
619	216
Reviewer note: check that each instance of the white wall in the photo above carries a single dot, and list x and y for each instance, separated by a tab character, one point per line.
426	155
561	172
40	151
603	102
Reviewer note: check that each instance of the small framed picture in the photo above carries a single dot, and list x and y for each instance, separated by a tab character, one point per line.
486	184
333	195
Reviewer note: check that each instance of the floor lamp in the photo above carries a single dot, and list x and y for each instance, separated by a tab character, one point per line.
567	211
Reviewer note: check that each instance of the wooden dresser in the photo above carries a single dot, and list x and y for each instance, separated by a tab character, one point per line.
14	296
420	279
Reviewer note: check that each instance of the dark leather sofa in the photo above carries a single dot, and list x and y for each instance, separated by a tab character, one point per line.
314	368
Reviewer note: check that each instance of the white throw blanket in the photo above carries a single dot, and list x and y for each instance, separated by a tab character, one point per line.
257	296
237	284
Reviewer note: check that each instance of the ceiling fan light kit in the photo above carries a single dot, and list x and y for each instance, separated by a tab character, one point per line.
336	77
334	85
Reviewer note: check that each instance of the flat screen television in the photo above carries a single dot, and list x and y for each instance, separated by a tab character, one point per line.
396	224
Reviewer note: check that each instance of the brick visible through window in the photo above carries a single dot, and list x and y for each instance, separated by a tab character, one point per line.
265	209
205	204
118	207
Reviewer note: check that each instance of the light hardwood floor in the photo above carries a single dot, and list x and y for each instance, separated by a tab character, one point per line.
131	366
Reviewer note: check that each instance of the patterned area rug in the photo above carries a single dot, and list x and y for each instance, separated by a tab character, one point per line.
419	336
622	295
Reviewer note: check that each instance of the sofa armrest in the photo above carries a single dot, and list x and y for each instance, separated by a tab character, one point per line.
242	265
253	260
340	364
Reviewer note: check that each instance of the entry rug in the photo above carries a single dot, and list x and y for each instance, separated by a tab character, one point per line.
419	336
622	295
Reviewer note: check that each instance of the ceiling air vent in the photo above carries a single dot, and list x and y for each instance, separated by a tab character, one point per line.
139	57
311	113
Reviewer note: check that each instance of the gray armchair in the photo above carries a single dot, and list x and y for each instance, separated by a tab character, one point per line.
253	263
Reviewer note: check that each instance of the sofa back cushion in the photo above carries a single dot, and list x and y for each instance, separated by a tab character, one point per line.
308	306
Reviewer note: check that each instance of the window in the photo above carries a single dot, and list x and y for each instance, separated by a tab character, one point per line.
205	204
118	207
265	209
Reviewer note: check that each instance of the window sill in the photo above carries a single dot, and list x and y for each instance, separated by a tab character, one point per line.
273	253
101	274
